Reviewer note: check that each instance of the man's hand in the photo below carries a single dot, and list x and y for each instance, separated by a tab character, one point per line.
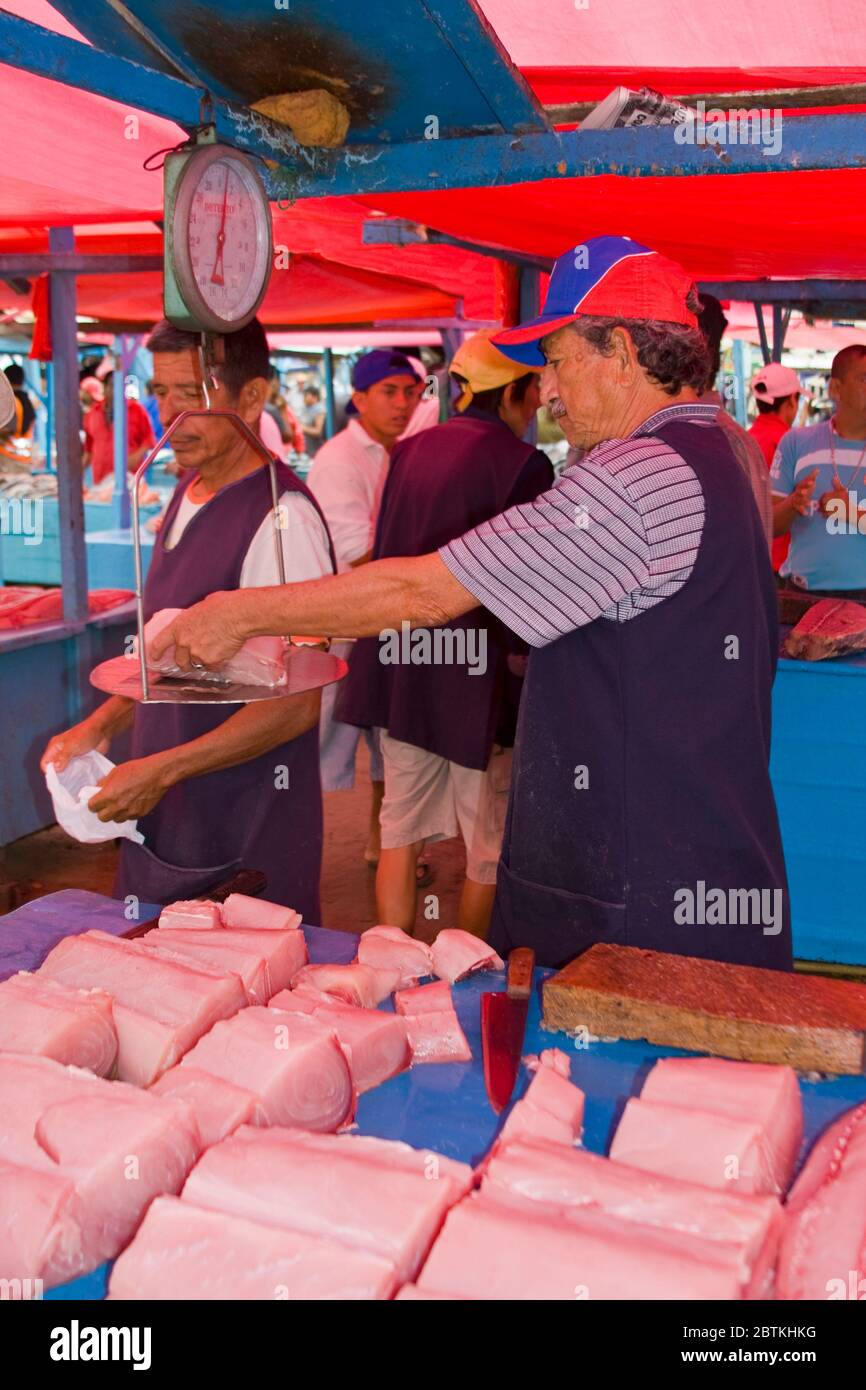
801	498
81	738
838	494
208	633
132	789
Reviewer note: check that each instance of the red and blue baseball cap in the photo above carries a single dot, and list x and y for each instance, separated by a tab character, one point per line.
375	366
606	276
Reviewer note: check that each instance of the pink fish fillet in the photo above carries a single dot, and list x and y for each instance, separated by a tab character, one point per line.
434	999
556	1176
116	1146
40	1222
552	1057
184	1252
823	1254
45	1017
244	913
501	1249
284	952
552	1108
361	985
121	1147
293	1064
389	948
375	1044
695	1145
437	1037
434	1029
768	1095
457	954
218	1106
368	1194
248	964
191	915
161	1007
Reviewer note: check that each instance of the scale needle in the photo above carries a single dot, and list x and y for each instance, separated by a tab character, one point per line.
217	275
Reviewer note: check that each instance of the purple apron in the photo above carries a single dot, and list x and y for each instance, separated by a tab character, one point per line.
676	808
263	814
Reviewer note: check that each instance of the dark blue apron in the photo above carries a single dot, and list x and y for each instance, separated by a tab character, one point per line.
206	828
674	734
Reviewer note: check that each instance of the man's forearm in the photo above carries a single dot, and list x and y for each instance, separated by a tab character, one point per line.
417	589
783	514
255	729
113	717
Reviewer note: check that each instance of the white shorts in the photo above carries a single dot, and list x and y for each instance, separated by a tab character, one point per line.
428	798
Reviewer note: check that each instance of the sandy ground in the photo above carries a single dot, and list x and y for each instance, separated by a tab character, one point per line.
49	860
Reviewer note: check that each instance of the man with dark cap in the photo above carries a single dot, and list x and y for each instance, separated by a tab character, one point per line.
641	810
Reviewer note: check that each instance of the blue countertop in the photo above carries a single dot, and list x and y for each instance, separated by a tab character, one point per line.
445	1107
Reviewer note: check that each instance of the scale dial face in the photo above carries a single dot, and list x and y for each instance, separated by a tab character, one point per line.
221	238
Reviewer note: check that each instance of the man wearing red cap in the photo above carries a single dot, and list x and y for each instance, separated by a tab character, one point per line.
641	809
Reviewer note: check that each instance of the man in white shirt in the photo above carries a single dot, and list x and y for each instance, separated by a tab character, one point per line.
216	788
347	479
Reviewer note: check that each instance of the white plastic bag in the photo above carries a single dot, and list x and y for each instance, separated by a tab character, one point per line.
71	790
260	661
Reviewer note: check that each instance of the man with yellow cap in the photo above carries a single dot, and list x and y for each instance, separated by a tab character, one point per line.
447	707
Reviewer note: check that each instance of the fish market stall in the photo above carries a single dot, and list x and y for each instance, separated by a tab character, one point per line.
585	1088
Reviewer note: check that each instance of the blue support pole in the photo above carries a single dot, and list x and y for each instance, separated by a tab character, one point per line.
49	414
328	370
530	304
120	500
67	413
740	351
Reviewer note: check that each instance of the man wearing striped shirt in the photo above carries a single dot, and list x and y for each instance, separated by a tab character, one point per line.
641	809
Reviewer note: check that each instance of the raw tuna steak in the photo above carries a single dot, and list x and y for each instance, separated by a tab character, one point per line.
552	1108
361	985
161	1007
389	948
823	1253
556	1176
50	1019
116	1147
831	627
284	952
192	915
368	1194
293	1064
457	954
768	1095
40	1224
245	962
435	999
218	1106
504	1249
374	1044
437	1037
244	913
695	1145
184	1252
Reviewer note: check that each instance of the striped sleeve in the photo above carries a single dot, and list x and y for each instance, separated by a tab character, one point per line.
617	533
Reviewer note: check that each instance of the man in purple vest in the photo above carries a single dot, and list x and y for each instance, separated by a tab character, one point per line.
217	788
641	807
446	714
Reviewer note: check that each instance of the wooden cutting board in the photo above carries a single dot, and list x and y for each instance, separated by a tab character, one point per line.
740	1011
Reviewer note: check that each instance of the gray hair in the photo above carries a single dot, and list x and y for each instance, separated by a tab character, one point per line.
671	354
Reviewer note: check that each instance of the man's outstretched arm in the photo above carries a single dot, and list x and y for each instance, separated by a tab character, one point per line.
416	589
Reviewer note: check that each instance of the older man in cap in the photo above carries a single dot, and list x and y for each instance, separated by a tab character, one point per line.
641	809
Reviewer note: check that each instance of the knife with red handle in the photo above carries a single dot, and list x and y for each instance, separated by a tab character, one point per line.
503	1025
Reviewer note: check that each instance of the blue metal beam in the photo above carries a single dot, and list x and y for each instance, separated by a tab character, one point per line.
67	415
809	142
787	291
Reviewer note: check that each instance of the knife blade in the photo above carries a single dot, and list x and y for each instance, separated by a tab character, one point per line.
503	1024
